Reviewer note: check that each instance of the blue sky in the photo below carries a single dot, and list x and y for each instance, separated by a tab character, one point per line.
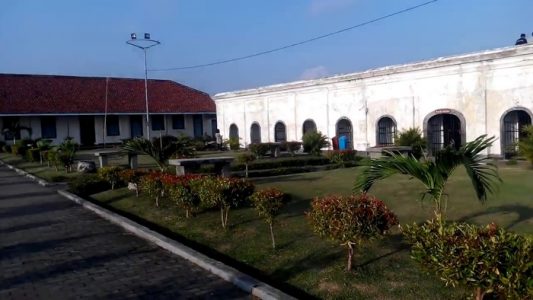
87	38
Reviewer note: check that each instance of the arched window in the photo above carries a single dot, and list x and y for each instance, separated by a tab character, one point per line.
386	131
444	130
309	126
512	125
344	128
255	133
280	133
233	131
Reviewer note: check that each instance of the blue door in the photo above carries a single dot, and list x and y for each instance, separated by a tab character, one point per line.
136	126
198	124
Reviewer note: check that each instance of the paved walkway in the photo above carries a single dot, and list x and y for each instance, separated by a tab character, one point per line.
51	248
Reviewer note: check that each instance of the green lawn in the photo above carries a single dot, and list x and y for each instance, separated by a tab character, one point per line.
305	263
43	171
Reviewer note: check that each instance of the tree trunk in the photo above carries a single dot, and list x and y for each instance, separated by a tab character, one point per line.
272	236
350	255
157	201
187	213
479	294
222	216
226	217
246	170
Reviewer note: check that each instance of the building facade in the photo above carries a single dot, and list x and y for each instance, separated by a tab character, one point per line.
98	110
452	100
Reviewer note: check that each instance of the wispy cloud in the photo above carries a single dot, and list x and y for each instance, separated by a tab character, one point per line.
318	7
314	73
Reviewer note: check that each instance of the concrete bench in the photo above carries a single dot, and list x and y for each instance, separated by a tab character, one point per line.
186	165
103	157
377	152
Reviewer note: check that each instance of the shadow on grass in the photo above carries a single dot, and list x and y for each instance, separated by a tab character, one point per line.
285	178
525	213
278	283
396	242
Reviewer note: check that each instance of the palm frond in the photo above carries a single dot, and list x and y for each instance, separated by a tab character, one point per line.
484	175
144	146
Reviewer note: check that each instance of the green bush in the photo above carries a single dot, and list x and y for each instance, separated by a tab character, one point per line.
246	158
234	143
485	259
2	145
6	148
314	141
412	137
350	220
152	184
274	163
111	175
268	203
341	157
32	155
525	146
291	147
66	152
222	192
87	185
259	149
180	191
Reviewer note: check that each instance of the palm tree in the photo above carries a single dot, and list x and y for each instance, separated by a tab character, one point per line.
159	154
434	174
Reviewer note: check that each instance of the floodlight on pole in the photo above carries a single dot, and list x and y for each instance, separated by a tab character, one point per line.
144	44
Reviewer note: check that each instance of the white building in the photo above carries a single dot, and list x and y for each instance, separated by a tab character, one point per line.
97	110
452	99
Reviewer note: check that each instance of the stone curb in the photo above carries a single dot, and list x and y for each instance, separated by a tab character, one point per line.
245	282
40	181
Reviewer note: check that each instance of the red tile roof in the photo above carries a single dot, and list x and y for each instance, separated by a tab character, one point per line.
44	94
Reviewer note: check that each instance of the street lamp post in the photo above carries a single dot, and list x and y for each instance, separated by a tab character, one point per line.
144	44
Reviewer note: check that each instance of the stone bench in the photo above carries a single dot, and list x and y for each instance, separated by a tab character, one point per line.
186	165
377	152
103	157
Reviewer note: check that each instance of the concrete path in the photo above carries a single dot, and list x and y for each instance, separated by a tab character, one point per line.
51	248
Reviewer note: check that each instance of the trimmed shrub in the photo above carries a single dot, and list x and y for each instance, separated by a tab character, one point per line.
268	203
488	259
222	192
87	185
274	163
341	157
180	191
32	155
234	143
246	158
350	220
152	184
132	176
259	149
314	141
111	175
412	137
6	148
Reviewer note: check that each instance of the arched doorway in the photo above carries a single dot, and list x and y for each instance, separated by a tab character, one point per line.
255	133
308	126
344	128
386	130
512	124
443	130
233	131
280	132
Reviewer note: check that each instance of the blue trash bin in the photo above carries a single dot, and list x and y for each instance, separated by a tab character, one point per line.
342	142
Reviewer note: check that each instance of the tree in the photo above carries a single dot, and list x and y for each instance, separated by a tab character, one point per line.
525	146
43	145
314	141
246	159
15	129
161	149
435	174
350	220
412	137
268	203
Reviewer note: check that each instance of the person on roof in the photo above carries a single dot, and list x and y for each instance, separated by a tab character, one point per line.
522	40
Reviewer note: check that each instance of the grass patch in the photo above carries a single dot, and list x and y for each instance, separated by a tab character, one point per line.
383	269
43	171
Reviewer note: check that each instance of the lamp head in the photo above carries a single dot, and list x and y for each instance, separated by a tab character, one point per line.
146	36
133	36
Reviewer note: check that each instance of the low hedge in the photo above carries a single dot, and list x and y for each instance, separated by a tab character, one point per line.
87	185
273	163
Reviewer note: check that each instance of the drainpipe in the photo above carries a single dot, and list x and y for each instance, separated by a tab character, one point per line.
268	118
